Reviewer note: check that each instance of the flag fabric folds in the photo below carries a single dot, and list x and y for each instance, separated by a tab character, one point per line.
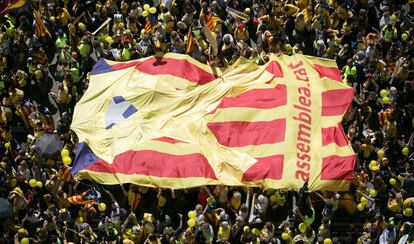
90	196
172	122
11	5
40	28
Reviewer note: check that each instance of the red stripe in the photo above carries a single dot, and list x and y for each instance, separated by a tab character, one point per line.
169	140
239	133
159	164
275	68
336	102
328	72
265	168
338	168
334	135
257	98
170	66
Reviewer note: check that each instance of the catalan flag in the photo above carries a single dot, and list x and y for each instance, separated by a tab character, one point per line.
40	28
150	22
172	122
209	19
11	5
190	41
90	196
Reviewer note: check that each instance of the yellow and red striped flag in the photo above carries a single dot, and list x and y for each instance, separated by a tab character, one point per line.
190	41
90	196
173	122
209	19
12	5
40	28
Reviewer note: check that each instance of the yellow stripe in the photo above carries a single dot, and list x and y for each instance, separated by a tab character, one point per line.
150	181
264	150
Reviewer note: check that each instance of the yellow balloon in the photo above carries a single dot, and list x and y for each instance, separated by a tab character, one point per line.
360	207
327	241
25	241
191	222
408	212
192	214
364	201
32	183
404	36
144	13
81	26
393	181
146	7
386	100
380	153
407	202
39	184
64	153
302	227
383	93
101	206
152	10
285	236
373	193
405	151
67	160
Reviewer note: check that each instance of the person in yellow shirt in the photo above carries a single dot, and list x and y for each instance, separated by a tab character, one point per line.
63	16
224	231
290	10
16	94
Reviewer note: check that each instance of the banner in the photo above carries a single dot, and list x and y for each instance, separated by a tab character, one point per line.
172	122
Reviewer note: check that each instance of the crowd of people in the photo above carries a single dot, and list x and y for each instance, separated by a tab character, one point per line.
48	49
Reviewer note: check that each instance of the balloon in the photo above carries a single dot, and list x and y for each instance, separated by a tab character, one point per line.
360	207
152	10
380	153
81	26
67	160
101	206
383	93
302	227
408	212
327	241
192	214
146	7
404	36
393	181
32	183
25	241
64	153
364	201
144	13
39	184
285	236
386	100
405	151
191	222
373	193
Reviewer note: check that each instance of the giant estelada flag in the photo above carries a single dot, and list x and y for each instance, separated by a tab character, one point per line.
173	122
